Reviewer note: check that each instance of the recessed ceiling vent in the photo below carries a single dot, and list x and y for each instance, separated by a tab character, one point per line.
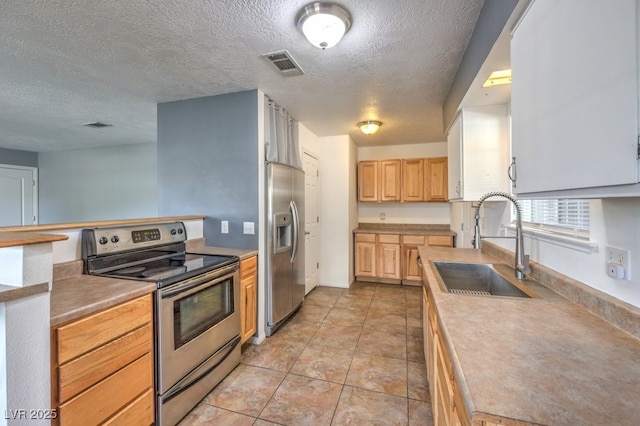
284	62
97	124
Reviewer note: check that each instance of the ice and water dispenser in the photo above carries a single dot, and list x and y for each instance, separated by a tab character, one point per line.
283	238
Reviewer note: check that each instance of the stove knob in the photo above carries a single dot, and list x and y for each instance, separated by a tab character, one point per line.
173	232
180	231
103	240
115	239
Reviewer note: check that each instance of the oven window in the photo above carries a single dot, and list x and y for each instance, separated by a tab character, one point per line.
198	312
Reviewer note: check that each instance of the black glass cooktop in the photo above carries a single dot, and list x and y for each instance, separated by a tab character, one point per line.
171	269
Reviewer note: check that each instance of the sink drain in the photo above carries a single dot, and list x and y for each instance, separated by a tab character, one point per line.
471	292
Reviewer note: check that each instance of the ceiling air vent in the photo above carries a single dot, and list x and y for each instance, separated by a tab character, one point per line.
284	62
97	124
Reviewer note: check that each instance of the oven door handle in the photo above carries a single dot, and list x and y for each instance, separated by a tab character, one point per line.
202	370
217	275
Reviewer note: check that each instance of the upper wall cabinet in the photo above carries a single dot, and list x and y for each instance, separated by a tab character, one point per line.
478	148
574	98
406	180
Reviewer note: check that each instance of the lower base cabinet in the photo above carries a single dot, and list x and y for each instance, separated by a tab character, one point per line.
102	367
446	401
393	258
248	297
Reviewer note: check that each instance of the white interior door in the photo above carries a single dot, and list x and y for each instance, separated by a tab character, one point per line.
18	192
311	171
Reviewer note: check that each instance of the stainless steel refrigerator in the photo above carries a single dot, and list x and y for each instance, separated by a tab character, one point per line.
285	243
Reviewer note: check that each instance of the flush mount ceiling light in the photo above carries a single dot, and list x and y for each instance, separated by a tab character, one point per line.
369	127
498	78
323	24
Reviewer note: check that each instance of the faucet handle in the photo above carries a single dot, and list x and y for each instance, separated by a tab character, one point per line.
525	269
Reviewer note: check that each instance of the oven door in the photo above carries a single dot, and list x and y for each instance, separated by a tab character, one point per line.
198	323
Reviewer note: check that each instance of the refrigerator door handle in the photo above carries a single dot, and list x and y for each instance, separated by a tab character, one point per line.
296	221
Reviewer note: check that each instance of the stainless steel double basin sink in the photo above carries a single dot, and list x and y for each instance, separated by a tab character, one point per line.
480	279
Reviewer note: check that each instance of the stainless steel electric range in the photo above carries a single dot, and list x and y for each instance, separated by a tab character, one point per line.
197	319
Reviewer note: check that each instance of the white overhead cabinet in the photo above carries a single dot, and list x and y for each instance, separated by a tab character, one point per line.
478	151
574	98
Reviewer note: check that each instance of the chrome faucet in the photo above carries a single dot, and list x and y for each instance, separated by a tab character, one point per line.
521	260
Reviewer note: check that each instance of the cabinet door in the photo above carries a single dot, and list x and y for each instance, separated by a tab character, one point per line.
574	95
368	181
412	180
390	180
435	179
248	296
454	153
365	255
389	261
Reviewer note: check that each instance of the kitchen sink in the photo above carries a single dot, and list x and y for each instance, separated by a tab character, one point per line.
479	279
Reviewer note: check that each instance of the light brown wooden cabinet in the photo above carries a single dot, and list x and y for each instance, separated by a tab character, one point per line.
102	366
446	400
436	179
390	180
392	258
248	297
389	256
413	179
403	180
368	181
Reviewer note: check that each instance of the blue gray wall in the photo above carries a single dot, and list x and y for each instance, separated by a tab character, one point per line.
208	164
18	158
115	182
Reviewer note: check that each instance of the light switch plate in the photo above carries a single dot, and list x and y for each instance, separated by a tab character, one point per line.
224	227
248	228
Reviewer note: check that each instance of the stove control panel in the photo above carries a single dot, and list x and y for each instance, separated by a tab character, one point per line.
109	240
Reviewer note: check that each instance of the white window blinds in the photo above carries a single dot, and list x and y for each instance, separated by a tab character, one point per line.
571	216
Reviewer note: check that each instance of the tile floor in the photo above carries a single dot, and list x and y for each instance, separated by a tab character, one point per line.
348	356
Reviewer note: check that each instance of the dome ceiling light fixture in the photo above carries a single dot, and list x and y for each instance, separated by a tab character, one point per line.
369	127
323	23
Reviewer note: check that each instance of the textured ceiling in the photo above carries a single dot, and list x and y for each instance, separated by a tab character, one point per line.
68	62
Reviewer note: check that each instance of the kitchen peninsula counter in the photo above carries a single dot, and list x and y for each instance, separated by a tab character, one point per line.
534	361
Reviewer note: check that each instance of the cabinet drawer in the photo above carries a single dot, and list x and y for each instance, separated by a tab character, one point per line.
416	240
110	395
248	267
389	239
366	238
85	371
139	412
440	240
88	333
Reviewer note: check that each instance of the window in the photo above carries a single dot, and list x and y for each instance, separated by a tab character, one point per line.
560	222
568	215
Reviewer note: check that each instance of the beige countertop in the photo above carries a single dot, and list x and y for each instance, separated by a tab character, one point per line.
197	246
539	361
403	229
80	295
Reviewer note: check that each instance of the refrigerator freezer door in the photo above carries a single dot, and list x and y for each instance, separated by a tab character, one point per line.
298	263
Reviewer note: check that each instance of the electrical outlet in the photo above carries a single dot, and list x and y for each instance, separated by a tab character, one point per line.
383	216
618	260
224	227
248	228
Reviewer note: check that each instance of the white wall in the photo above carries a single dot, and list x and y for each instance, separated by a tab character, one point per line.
614	222
417	213
337	189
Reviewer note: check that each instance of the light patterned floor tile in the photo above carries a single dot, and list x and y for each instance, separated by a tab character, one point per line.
365	407
324	363
378	373
205	414
276	353
302	401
